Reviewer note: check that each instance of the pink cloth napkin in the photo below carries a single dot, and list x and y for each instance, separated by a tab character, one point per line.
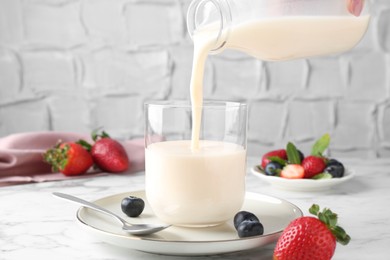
21	157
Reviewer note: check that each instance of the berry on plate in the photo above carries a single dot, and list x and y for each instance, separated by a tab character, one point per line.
316	162
273	169
293	171
250	228
313	165
292	164
281	153
335	168
247	224
132	206
68	158
308	238
244	215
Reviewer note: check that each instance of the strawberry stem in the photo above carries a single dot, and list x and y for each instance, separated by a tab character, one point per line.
330	220
87	146
95	134
57	157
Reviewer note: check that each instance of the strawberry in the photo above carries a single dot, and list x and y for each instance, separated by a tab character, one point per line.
282	154
292	171
308	238
69	158
355	7
313	165
108	154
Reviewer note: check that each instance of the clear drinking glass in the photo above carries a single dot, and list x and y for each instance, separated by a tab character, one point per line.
195	187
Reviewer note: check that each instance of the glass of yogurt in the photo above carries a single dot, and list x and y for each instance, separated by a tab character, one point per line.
195	179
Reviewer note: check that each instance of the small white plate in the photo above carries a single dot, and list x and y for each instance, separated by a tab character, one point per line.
303	184
275	214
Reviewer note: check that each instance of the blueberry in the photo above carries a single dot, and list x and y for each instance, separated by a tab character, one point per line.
334	162
272	168
249	228
335	168
301	155
132	206
242	216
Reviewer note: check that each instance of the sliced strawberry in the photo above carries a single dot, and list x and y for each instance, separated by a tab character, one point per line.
313	165
282	154
292	171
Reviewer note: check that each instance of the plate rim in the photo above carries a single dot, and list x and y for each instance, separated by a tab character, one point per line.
148	239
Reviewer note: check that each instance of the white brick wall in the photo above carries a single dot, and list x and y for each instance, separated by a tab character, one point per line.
74	65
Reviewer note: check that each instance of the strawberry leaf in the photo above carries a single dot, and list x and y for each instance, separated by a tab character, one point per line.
314	209
292	154
95	134
330	220
321	145
323	218
104	135
87	146
341	236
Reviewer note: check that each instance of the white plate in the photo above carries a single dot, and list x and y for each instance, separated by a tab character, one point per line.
275	214
303	184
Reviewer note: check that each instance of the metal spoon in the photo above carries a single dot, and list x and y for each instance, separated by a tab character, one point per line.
134	229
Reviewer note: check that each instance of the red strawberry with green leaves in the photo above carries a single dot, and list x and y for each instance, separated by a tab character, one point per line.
108	154
281	153
316	162
308	238
69	158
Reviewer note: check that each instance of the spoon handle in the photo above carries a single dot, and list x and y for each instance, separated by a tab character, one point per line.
87	204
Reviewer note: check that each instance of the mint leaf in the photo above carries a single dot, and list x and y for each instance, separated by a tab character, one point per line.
277	160
321	145
322	176
292	154
260	169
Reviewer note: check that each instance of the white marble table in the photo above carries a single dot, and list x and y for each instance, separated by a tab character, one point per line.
36	225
